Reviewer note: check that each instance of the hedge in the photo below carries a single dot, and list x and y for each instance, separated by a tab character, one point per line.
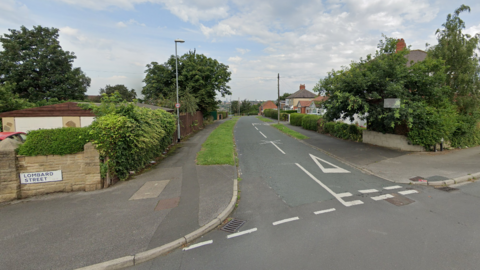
341	130
271	113
58	141
309	122
296	119
290	111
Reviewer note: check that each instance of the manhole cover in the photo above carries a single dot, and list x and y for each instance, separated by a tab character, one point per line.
448	189
233	225
399	200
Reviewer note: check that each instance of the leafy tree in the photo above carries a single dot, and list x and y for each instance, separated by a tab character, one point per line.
39	67
425	112
235	106
188	101
128	95
10	101
204	77
245	106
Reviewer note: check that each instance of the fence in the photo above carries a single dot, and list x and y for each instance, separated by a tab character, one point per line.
189	124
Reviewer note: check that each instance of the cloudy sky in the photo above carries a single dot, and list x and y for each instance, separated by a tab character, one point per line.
302	40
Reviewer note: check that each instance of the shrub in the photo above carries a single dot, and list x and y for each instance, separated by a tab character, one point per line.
284	116
290	111
271	113
309	122
296	119
341	130
58	141
329	127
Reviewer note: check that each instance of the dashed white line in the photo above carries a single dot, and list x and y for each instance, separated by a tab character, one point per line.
285	220
343	195
255	127
263	134
324	211
392	187
357	202
198	245
277	147
406	192
368	191
241	233
382	197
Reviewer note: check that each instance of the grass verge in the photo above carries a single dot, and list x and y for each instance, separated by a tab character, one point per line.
264	119
219	148
289	132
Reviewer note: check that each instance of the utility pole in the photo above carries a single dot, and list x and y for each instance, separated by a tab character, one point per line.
278	108
238	106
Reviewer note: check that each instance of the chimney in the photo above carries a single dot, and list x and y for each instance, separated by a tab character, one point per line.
302	86
400	45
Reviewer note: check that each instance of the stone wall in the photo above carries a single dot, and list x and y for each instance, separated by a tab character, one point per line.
399	142
80	172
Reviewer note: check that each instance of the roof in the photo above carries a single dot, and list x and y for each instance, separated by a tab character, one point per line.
302	93
4	135
304	103
320	98
415	56
61	109
269	105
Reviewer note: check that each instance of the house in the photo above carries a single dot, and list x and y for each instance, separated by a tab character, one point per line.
67	114
267	105
302	94
302	106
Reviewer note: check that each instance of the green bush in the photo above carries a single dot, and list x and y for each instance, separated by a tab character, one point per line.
309	122
329	127
271	113
290	111
58	141
284	116
341	130
296	119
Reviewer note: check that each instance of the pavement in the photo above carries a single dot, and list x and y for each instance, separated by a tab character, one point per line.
164	204
438	168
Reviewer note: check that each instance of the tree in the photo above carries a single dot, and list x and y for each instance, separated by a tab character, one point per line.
35	62
187	99
128	95
10	101
204	77
425	113
245	106
235	106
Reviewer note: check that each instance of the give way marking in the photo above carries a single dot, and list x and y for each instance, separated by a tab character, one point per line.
335	168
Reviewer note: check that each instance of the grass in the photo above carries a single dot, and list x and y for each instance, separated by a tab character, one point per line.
289	132
264	119
219	148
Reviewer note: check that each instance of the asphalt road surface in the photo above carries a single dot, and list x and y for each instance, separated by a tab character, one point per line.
306	210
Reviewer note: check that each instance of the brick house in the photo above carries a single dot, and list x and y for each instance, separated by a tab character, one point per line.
267	105
302	94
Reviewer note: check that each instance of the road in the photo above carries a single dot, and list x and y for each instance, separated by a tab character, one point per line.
306	210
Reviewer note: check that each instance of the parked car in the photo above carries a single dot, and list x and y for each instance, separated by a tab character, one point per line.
19	136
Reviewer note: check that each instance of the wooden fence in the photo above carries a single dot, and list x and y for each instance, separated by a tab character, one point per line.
188	124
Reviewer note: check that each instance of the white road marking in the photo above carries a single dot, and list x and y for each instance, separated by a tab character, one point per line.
255	127
278	148
324	211
392	187
347	204
343	195
285	220
241	233
382	197
198	245
327	170
263	134
368	191
406	192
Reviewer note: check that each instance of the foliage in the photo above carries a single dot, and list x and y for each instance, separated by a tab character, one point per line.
289	132
189	103
296	119
271	113
219	147
38	68
290	111
245	107
204	77
130	136
9	101
309	122
128	95
58	141
261	118
342	130
224	114
283	116
235	107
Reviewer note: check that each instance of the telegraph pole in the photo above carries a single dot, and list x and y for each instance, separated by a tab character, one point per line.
238	106
278	108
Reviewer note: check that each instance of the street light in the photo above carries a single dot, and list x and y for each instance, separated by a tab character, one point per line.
176	71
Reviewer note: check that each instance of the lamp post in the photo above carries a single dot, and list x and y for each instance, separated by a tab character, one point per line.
176	71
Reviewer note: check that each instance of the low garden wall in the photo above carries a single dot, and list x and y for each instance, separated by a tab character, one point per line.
74	172
394	141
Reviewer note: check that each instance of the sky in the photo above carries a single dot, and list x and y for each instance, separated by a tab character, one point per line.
301	40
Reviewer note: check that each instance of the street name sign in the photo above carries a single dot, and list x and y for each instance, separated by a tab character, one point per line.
41	177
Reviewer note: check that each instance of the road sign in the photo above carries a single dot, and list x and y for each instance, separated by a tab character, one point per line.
177	105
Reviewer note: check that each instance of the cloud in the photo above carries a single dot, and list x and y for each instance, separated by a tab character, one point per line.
15	13
242	51
235	59
129	22
121	24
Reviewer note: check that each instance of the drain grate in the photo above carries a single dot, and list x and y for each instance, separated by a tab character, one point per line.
448	189
233	225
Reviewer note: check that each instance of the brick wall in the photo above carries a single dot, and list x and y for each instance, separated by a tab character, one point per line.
80	171
399	142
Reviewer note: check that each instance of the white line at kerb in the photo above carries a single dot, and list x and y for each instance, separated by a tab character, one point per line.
324	211
406	192
382	197
339	198
285	220
198	245
392	187
368	191
241	233
263	134
277	147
